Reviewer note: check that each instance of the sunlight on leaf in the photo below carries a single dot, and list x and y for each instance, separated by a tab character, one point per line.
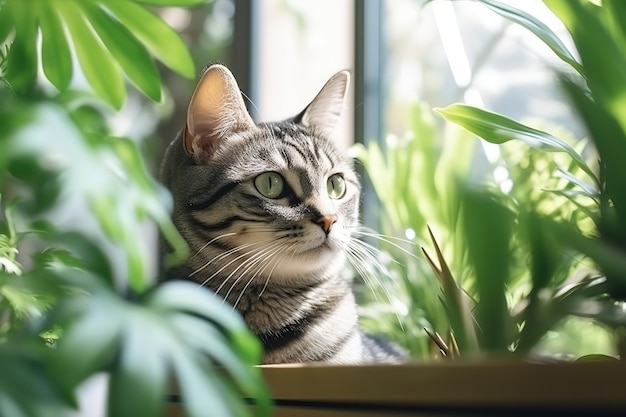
495	128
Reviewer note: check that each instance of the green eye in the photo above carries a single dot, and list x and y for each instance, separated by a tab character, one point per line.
270	184
336	186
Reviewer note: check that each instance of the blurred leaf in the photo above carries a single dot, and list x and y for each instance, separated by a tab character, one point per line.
98	65
160	39
488	246
55	51
537	27
92	333
127	50
26	386
495	128
138	383
610	141
609	257
21	66
603	58
174	3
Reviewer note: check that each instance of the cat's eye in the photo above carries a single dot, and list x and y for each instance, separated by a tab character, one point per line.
270	184
336	186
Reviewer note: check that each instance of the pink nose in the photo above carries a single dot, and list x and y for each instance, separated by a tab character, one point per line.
326	223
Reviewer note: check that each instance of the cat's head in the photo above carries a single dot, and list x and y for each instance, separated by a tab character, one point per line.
273	200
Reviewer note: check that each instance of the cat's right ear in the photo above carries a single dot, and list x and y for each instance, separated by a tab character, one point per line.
216	111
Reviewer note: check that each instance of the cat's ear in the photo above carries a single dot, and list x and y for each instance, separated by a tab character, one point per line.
215	112
325	109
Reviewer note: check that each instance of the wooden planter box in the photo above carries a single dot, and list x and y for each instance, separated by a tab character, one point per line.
446	389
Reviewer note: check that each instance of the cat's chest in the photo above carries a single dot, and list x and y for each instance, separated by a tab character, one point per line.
267	308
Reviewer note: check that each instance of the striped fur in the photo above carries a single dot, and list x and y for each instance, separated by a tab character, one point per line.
279	261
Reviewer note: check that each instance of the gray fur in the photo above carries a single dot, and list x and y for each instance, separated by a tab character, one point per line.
271	258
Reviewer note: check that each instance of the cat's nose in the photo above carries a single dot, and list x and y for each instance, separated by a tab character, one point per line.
326	223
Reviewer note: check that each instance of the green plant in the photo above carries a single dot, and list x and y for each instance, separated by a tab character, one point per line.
521	259
75	265
594	89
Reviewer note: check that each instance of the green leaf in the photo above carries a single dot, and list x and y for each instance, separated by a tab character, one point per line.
21	68
55	51
173	3
603	57
189	297
488	247
495	128
6	23
199	386
610	141
89	342
99	68
127	50
160	39
27	388
139	380
537	27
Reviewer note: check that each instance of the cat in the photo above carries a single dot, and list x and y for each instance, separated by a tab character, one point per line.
268	212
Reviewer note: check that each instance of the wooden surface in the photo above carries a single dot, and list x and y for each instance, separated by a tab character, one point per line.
447	389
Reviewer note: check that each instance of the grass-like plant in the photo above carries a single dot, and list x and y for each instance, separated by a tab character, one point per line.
516	262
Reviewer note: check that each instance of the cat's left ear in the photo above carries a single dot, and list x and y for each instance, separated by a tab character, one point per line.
325	109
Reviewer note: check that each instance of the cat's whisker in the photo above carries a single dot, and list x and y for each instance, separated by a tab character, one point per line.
364	251
224	256
391	240
251	253
369	255
254	259
218	258
278	259
263	266
215	239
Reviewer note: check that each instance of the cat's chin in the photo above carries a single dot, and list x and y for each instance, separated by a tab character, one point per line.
310	261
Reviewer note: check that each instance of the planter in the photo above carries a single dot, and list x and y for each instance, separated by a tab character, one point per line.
445	389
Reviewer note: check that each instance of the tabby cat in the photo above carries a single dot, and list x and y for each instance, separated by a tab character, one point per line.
268	211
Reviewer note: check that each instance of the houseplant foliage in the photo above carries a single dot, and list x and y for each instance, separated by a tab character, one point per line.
77	295
514	261
594	87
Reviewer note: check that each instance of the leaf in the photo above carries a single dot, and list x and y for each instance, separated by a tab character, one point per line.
55	51
498	129
587	189
99	68
488	247
538	28
610	141
139	380
200	386
158	38
173	3
92	334
456	302
603	58
130	54
21	67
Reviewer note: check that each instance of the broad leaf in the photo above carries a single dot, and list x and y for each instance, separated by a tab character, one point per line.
173	3
160	39
56	59
98	66
130	54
